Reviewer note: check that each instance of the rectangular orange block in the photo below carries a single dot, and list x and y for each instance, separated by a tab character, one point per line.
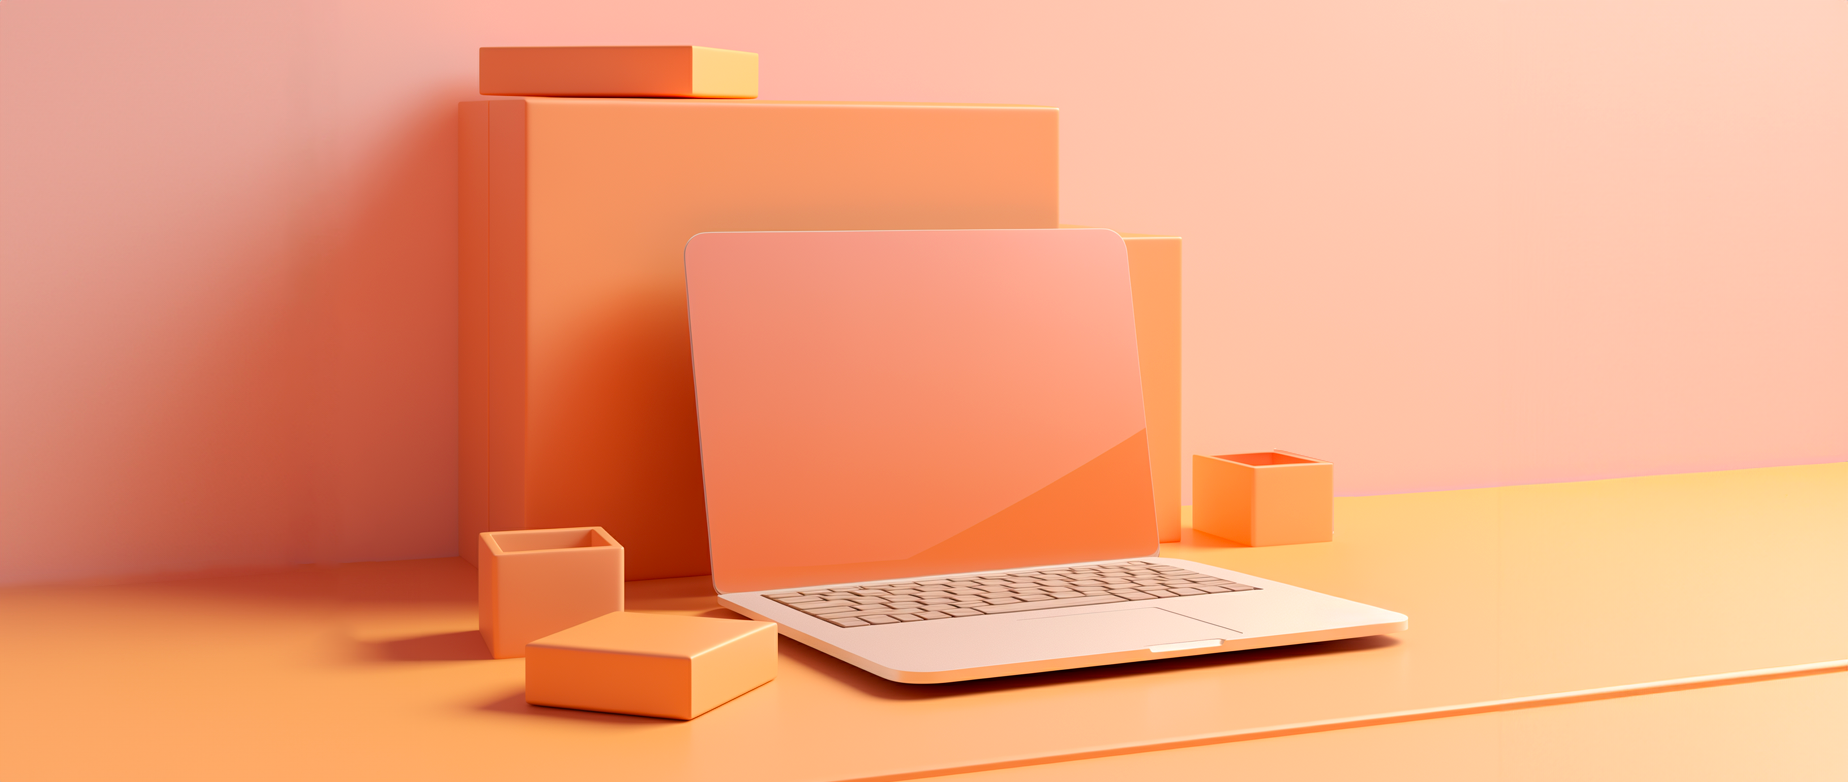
533	583
653	665
1155	283
577	391
618	71
1272	498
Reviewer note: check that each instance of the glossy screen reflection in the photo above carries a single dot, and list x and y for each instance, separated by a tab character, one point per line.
889	404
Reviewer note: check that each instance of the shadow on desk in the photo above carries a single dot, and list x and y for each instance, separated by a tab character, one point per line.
795	652
464	645
515	703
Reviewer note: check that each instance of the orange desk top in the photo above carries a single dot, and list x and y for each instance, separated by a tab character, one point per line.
374	671
1787	730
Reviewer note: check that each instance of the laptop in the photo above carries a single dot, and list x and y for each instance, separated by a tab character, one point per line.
925	454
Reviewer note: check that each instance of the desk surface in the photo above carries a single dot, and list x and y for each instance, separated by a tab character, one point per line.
1787	730
373	671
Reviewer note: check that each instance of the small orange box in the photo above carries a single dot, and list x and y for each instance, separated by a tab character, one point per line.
618	71
534	583
1272	498
654	665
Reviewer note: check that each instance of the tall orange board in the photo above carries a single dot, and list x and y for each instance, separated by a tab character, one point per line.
577	395
1155	282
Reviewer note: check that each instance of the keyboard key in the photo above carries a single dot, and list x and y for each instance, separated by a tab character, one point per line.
1001	601
881	620
962	612
822	604
933	615
1185	591
1212	588
1158	592
907	617
1131	595
1035	598
848	621
1240	588
1076	601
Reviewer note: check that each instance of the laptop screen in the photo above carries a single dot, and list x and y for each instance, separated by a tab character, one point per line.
880	405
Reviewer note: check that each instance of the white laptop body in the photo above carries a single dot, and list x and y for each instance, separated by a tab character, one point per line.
924	454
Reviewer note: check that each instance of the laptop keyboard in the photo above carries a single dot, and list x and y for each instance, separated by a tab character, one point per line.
1002	593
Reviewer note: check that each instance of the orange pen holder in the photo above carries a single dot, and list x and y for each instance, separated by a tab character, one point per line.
654	665
1270	498
536	582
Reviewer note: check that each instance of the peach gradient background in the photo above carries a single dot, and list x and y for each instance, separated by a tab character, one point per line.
1443	244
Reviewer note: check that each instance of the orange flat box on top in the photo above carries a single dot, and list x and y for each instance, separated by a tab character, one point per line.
618	71
653	665
1155	282
577	391
533	583
1270	498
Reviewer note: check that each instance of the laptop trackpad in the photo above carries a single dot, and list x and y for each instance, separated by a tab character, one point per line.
1120	630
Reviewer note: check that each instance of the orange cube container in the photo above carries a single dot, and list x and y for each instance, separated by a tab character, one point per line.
618	71
653	665
1272	498
576	376
534	583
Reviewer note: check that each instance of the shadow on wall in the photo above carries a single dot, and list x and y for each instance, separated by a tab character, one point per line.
390	346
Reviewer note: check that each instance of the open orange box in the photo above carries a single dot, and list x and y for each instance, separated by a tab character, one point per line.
1269	498
536	582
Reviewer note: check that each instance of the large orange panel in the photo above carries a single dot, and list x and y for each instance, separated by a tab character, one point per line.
586	400
1155	279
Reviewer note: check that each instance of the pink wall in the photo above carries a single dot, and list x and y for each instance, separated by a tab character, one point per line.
1443	244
